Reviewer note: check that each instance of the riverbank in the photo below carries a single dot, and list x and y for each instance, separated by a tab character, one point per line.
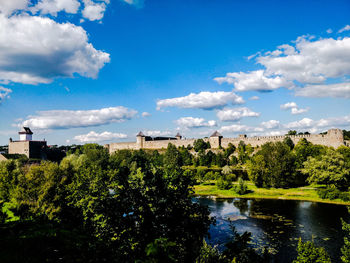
307	193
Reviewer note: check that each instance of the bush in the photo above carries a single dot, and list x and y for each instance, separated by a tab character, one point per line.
223	184
333	193
241	188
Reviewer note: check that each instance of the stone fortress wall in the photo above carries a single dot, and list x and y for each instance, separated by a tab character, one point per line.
333	138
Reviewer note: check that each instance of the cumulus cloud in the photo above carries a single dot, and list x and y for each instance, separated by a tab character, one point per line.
307	123
156	133
313	61
338	90
329	31
65	119
37	49
306	63
345	28
7	7
190	122
203	100
99	137
254	80
93	10
145	114
293	107
235	114
240	128
4	93
271	124
52	7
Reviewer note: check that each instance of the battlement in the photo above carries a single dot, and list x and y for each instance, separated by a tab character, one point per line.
333	138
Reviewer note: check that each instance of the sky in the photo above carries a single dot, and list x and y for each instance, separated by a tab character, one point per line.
82	71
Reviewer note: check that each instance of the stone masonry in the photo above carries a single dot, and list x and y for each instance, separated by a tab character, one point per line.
333	138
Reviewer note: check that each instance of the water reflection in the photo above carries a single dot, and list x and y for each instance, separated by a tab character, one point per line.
278	224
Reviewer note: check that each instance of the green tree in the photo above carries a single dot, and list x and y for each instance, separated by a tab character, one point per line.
345	250
200	144
292	132
331	169
309	253
272	166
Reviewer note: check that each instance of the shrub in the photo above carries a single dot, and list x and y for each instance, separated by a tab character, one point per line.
333	193
223	184
241	188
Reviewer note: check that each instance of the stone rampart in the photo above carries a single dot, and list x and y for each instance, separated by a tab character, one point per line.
333	138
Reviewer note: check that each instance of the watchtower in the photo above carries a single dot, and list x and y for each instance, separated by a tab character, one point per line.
215	140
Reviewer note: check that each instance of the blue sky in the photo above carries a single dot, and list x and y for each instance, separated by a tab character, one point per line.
79	71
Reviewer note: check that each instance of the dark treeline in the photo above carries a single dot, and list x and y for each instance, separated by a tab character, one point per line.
137	206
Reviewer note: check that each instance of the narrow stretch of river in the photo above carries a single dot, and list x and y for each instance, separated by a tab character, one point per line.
278	224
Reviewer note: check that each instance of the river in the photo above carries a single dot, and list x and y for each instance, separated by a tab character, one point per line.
278	224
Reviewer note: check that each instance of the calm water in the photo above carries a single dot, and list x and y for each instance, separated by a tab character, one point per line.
278	224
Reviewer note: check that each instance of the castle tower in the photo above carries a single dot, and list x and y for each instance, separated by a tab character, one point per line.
215	140
335	137
25	134
140	139
178	136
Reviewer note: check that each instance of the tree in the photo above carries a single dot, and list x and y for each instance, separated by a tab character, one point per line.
331	169
289	142
200	144
292	132
345	250
272	166
309	253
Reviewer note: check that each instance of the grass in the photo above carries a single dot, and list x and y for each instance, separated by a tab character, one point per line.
307	193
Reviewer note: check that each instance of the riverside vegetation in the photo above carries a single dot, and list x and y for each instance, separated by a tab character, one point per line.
136	206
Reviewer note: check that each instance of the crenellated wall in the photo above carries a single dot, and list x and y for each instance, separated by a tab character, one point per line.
333	138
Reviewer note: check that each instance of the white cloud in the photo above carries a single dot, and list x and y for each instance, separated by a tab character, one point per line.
294	108
288	105
52	7
202	100
65	119
329	31
345	28
254	80
93	11
235	114
190	122
146	114
36	50
338	90
99	137
4	93
137	3
240	128
271	124
254	98
156	133
313	61
306	123
298	111
7	7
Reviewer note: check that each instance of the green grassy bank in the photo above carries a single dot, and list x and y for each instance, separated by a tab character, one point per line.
307	193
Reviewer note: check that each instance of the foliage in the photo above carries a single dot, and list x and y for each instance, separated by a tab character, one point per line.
289	142
346	135
330	168
332	193
223	184
128	207
309	253
292	132
345	250
242	187
200	144
272	166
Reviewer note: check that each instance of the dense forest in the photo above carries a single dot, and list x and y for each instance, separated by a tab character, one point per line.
137	206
